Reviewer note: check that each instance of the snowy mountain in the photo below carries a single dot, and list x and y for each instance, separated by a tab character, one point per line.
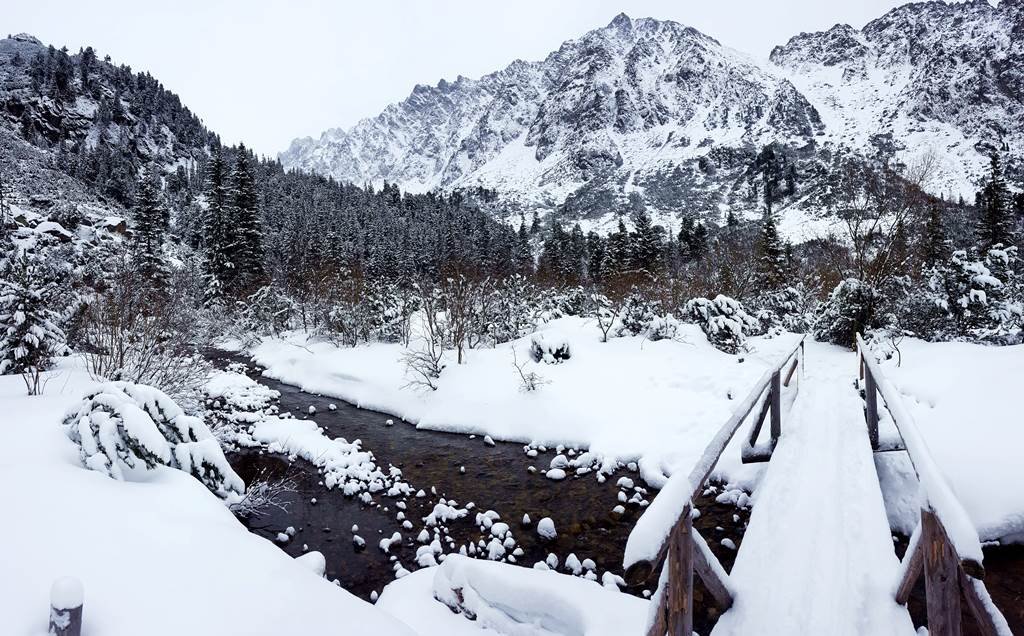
659	110
926	76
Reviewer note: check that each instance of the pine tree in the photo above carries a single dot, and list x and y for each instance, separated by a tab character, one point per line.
699	245
247	244
936	244
771	258
30	335
215	231
618	258
645	243
994	223
148	240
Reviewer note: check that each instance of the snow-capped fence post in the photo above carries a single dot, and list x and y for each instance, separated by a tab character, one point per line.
871	415
776	400
941	584
66	607
679	594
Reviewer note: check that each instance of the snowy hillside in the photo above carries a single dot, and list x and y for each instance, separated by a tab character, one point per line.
928	76
659	109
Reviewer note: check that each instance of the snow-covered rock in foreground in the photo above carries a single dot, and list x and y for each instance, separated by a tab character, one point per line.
135	545
505	599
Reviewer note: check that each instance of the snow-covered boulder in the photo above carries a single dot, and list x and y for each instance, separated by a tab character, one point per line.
121	427
546	529
549	347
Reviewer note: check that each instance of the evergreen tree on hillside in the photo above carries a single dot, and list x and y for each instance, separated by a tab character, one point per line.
995	225
698	246
246	229
150	229
522	253
215	231
618	255
645	243
936	243
771	256
30	335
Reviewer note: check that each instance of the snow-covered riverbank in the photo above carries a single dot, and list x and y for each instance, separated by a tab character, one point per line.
628	399
162	556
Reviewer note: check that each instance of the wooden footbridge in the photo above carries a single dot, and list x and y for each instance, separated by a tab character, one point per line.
817	557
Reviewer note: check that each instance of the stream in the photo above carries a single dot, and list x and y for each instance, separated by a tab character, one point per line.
495	478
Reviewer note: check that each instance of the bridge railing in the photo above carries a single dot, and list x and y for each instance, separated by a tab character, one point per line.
945	546
664	535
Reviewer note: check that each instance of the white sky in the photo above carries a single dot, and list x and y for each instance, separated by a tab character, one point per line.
267	71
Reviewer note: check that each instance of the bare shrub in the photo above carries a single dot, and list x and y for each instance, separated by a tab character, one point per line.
265	491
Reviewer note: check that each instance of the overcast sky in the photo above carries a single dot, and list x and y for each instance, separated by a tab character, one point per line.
265	71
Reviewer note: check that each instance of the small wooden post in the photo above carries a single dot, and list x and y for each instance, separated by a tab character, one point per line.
941	579
776	398
679	599
871	396
66	607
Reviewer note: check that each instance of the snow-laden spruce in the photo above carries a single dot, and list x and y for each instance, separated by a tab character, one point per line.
122	427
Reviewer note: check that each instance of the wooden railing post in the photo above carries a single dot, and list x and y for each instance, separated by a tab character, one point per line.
66	607
942	578
871	416
679	594
775	395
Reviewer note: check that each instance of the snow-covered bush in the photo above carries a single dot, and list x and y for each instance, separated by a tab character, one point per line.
849	310
121	425
268	311
980	296
390	307
785	308
636	314
662	327
558	303
723	320
514	296
550	348
30	336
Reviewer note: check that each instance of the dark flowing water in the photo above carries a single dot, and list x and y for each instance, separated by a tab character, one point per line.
495	478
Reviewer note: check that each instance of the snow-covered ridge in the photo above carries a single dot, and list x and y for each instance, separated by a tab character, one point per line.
661	110
619	104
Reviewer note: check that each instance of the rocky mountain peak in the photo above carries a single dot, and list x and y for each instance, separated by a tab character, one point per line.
657	112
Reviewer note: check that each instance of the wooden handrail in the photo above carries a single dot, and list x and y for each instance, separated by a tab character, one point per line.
944	548
664	534
937	496
664	512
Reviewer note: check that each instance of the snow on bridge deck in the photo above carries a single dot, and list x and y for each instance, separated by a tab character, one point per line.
817	557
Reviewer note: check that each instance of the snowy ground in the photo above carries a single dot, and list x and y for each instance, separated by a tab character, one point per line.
159	557
135	545
627	399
